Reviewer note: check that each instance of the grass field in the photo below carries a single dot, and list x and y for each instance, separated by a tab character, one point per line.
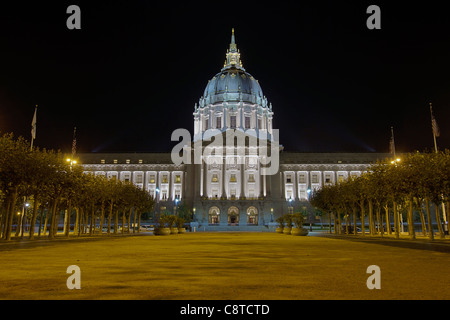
223	265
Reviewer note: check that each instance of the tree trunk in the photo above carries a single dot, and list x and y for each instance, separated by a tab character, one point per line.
430	225
363	224
116	221
41	218
33	217
92	228
10	214
129	218
329	222
371	218
134	221
397	231
378	214
102	216
51	233
139	222
388	220
422	219
438	221
77	222
67	219
110	217
355	232
412	232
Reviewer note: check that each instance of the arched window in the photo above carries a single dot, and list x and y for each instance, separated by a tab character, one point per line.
252	215
213	215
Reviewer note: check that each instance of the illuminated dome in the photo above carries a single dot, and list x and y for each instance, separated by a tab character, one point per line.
232	99
233	84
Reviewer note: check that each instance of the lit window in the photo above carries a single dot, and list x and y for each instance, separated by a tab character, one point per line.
218	122
140	161
233	122
247	122
152	178
177	178
215	178
102	161
164	178
233	177
341	178
127	161
115	161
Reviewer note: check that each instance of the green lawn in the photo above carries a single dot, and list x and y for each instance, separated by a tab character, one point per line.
221	265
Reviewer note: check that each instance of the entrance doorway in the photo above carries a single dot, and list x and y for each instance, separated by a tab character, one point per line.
233	216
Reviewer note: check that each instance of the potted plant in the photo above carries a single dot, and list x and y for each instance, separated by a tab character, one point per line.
180	225
288	220
171	219
162	230
298	220
280	221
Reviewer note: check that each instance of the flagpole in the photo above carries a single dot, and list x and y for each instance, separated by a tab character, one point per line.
393	142
433	128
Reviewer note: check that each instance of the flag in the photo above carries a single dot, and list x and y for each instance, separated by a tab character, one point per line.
74	142
436	131
33	125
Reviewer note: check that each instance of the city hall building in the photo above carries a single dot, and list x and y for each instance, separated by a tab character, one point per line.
230	186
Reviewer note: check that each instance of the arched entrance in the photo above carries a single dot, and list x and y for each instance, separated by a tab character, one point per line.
233	216
252	216
213	215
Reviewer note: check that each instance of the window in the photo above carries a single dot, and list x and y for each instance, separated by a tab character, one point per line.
247	122
177	178
327	178
233	177
232	121
259	124
115	161
140	161
206	124
164	178
102	161
152	178
288	179
215	178
127	161
341	178
301	178
126	178
164	195
251	178
218	122
315	178
139	178
233	193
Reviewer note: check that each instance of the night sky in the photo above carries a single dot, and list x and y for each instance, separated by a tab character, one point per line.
134	71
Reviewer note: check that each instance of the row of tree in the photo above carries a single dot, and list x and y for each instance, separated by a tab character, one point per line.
41	185
416	182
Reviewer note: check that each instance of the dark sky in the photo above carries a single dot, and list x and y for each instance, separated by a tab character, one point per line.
134	71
